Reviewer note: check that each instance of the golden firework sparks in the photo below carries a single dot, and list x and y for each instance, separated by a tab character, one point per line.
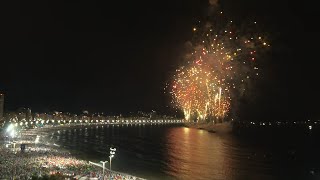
221	62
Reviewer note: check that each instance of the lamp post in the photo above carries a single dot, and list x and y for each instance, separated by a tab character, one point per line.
112	153
103	167
110	157
99	165
11	132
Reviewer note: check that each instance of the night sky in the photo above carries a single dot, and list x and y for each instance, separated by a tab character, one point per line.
116	56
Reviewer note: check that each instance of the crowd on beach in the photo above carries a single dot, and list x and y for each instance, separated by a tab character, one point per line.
37	161
46	159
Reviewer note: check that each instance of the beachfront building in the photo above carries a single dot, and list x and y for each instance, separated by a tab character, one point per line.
24	117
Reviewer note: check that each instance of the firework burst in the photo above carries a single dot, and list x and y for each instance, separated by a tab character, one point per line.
218	68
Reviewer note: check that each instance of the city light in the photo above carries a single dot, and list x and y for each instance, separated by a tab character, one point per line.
12	133
112	154
10	128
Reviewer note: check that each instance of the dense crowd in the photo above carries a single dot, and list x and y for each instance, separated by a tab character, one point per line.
118	176
14	165
36	161
45	159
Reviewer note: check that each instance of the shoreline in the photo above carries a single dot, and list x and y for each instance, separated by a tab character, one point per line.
38	159
225	127
47	158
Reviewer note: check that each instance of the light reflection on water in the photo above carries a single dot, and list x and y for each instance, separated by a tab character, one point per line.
191	152
168	152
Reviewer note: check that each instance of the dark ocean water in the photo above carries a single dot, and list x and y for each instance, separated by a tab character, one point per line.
174	152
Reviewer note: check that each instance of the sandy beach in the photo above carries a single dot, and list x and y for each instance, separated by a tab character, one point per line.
43	157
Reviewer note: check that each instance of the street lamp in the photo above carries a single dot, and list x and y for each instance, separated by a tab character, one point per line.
11	132
99	165
10	128
112	153
103	167
111	156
